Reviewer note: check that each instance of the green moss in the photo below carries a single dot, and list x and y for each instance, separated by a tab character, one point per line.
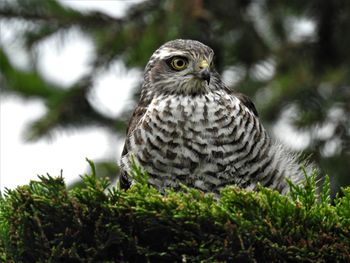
46	222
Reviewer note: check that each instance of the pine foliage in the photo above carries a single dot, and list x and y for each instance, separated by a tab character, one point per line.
45	222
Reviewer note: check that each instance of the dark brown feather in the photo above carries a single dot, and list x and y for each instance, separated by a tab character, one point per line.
246	101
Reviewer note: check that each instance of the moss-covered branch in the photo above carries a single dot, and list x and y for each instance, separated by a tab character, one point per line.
45	222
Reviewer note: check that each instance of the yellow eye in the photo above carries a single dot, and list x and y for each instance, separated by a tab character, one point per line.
179	63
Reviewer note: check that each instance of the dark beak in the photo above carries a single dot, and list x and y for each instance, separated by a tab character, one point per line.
204	74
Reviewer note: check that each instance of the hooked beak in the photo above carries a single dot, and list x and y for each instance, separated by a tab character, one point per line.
204	71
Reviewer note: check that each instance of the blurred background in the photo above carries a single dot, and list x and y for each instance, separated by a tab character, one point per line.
70	74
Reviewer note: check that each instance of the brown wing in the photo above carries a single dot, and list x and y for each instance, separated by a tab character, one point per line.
124	178
245	100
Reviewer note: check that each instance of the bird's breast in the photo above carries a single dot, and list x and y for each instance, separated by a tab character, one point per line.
192	137
188	112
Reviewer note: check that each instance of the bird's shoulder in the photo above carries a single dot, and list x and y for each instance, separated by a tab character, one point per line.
244	99
137	115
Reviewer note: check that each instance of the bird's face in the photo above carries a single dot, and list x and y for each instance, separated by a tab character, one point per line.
181	67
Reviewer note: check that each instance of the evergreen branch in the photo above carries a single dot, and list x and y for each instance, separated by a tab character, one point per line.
56	14
43	221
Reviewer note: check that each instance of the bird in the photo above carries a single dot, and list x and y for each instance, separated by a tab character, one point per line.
189	128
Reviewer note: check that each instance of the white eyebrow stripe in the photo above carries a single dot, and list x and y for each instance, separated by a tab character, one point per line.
168	52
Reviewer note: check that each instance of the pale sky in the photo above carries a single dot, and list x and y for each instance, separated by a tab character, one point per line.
61	62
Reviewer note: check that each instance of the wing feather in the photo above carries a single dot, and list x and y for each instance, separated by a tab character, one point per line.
139	112
245	100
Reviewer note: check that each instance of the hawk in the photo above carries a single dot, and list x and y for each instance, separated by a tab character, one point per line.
189	128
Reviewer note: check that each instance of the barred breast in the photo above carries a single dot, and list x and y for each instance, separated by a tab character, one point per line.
206	141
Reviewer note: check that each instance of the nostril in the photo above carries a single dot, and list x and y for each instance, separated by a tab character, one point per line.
203	64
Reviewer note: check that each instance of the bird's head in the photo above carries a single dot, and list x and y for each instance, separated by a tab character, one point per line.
180	67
